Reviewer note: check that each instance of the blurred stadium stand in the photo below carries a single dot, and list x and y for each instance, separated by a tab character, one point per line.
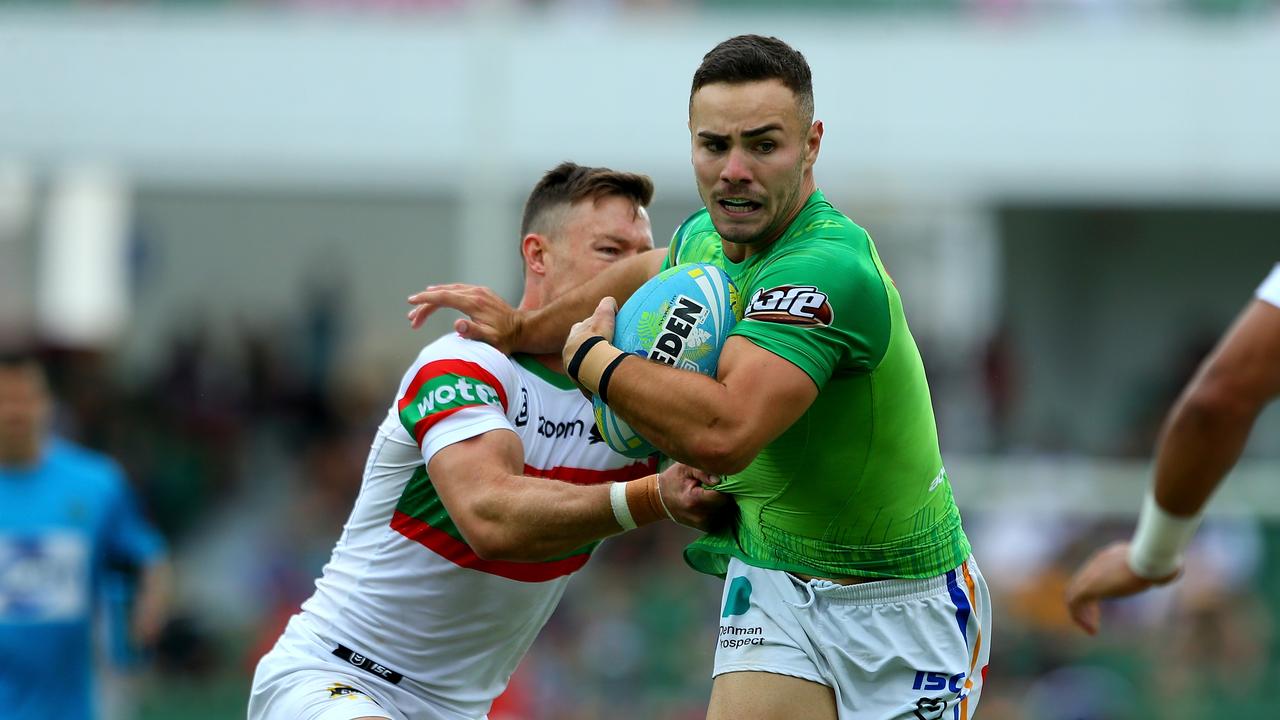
211	211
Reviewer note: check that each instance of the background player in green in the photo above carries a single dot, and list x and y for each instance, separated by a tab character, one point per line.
850	590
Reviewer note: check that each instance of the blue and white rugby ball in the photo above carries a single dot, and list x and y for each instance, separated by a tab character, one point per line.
680	317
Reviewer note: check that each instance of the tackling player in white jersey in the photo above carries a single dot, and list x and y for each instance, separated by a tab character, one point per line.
485	488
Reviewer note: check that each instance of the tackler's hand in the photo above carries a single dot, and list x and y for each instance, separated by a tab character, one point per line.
690	499
490	319
1104	576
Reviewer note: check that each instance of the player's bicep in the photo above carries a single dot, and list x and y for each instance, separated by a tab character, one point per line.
770	393
1247	365
469	473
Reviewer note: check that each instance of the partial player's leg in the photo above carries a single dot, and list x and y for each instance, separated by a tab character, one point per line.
766	664
292	684
747	695
904	649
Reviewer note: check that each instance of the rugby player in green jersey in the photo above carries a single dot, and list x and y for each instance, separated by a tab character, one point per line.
850	590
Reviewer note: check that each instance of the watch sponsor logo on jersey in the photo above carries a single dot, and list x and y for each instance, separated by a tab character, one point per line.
449	390
803	305
681	321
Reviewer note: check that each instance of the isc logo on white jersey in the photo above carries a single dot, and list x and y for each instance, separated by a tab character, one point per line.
803	305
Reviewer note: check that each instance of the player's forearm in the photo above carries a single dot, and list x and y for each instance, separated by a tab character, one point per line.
1200	444
527	519
690	417
544	330
151	609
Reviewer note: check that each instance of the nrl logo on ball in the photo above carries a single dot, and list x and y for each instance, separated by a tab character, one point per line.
803	305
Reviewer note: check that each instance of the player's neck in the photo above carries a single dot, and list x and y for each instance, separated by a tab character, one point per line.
552	362
534	299
19	455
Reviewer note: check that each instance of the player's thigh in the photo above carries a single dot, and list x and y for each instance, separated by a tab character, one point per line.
753	695
299	688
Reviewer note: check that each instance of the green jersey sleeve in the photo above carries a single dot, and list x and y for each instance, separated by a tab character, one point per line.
824	307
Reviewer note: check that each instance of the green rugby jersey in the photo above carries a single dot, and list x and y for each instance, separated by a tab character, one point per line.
856	486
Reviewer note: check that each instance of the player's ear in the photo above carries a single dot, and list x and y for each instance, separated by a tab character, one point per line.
533	247
813	143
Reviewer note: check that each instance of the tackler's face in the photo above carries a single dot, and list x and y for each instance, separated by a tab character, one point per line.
594	235
752	145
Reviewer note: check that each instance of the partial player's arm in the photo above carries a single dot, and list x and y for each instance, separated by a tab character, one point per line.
508	516
151	606
1201	441
771	367
718	424
133	542
1209	425
492	320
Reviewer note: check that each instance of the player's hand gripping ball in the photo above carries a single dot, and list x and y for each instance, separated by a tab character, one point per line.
680	317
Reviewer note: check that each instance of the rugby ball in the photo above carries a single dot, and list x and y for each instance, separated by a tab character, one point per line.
680	317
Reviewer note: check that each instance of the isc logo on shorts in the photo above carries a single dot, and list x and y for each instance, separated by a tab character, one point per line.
932	708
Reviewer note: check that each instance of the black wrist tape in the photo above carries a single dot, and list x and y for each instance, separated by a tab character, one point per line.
575	364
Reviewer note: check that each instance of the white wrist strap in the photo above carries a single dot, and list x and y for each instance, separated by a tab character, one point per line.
621	510
1156	549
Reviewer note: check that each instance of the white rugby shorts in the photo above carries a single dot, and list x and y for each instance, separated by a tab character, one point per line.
301	679
890	649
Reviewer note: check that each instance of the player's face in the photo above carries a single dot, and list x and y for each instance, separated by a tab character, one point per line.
753	155
593	236
24	410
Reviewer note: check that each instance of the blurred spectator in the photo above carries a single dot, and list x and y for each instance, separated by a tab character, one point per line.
70	528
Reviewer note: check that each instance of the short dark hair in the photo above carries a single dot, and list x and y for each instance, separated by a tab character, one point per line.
751	58
569	182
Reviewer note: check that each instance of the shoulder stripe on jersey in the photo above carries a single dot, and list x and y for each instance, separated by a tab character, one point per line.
441	368
586	476
460	554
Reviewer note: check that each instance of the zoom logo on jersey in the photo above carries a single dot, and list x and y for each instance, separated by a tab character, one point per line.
685	315
803	305
552	429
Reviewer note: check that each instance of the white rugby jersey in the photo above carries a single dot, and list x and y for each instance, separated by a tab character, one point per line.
1269	290
402	587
